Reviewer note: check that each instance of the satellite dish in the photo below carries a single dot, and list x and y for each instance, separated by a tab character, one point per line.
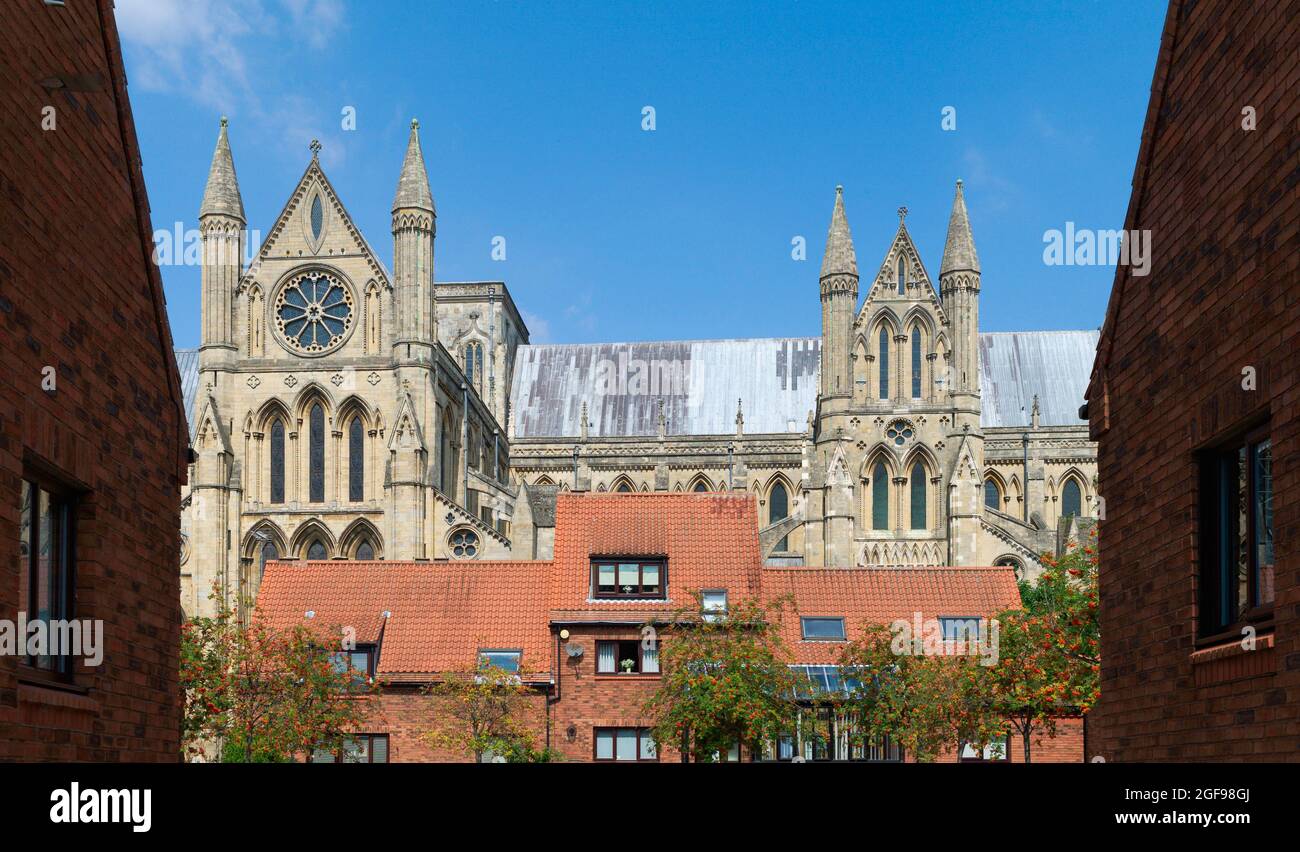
573	649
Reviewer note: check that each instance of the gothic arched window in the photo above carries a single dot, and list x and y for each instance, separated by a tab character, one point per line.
916	362
992	495
778	509
365	551
269	553
316	550
902	276
277	461
316	454
918	496
474	364
624	487
880	497
1071	499
884	362
356	461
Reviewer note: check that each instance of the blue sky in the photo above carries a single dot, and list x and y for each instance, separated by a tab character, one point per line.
531	124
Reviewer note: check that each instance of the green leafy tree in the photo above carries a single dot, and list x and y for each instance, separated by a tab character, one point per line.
924	702
256	694
485	710
1049	660
726	679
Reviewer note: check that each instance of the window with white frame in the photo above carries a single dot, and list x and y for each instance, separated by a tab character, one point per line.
625	744
626	656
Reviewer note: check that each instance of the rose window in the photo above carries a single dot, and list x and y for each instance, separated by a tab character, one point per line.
314	312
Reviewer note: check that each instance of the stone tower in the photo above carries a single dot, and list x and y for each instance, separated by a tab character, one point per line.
414	223
839	292
959	286
215	489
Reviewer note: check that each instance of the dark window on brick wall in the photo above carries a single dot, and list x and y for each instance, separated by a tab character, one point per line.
1236	534
361	748
47	522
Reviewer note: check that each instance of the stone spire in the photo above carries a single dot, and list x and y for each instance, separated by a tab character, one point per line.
413	185
221	197
839	258
959	252
740	418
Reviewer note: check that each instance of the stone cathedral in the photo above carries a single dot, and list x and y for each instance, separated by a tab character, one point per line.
340	409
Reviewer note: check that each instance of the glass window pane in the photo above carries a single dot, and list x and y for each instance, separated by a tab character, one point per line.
379	749
321	755
650	577
992	497
916	363
883	358
606	582
629	575
1263	522
1072	499
880	497
316	459
504	660
25	546
605	654
918	496
604	744
356	751
627	747
823	628
648	751
356	460
650	660
277	462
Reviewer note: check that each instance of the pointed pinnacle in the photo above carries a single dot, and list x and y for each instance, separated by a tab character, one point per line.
959	250
839	258
221	195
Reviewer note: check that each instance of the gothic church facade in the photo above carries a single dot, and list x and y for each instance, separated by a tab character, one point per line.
343	411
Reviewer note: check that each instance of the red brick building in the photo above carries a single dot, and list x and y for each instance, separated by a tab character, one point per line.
573	621
92	431
1194	400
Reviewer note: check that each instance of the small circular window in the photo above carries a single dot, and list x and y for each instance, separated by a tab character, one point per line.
900	432
464	544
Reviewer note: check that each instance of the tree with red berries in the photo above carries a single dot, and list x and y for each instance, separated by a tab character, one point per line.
1049	660
255	694
923	696
726	679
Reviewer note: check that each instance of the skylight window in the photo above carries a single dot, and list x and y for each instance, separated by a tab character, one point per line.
823	629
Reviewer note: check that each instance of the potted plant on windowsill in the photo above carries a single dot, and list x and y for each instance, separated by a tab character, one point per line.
627	666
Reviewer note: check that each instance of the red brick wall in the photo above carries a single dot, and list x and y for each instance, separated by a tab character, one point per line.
588	701
1223	208
77	293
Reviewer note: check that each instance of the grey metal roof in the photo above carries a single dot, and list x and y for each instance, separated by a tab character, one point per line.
699	382
1015	365
187	362
776	378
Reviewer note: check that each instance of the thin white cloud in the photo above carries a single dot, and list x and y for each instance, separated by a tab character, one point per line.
539	329
205	49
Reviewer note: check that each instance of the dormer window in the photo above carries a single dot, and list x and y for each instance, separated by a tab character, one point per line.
629	578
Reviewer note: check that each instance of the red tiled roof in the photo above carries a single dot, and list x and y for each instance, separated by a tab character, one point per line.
710	540
870	596
441	612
